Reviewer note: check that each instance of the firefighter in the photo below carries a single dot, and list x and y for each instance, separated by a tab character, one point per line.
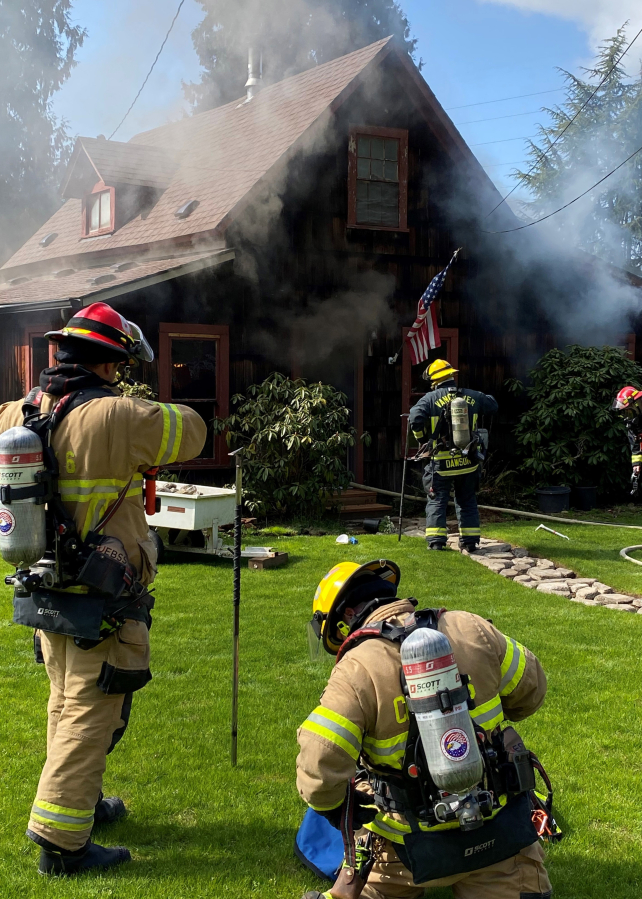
362	720
102	447
629	403
450	465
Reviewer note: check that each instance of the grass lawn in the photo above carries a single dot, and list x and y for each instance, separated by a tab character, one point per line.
197	828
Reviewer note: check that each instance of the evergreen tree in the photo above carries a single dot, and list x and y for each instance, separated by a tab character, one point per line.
294	35
38	43
608	222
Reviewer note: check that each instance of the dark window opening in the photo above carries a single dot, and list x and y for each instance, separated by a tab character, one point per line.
378	181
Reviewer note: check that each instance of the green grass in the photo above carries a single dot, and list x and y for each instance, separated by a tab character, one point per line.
591	551
198	828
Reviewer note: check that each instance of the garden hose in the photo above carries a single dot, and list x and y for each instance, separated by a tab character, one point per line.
624	553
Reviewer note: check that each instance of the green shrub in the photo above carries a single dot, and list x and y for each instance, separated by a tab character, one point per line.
296	437
570	434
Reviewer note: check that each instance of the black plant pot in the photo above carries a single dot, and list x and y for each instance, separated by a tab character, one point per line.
371	525
584	498
553	499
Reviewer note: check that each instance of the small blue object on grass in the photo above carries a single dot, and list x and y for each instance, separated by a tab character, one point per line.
319	845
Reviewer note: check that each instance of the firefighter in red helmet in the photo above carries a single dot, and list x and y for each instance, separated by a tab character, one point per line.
629	403
94	639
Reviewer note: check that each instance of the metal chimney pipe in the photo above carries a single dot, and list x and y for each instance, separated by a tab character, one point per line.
254	72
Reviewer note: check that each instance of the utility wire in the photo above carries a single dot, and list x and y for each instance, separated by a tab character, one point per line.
570	203
554	90
180	5
504	140
513	115
565	129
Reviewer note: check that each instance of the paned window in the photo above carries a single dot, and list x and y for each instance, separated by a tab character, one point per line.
378	179
98	211
194	371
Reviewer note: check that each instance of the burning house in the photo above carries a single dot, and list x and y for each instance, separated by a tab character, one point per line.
294	230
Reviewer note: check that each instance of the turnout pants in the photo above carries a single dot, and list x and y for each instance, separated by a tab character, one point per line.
465	487
84	725
521	877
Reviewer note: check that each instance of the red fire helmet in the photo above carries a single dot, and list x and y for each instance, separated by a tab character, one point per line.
627	399
100	323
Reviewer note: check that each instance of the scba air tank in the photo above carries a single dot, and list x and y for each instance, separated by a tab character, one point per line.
22	522
448	738
459	419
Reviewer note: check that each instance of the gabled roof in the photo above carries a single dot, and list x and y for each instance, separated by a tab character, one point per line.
224	154
115	162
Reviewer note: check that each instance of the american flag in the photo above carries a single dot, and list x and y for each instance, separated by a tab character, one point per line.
424	334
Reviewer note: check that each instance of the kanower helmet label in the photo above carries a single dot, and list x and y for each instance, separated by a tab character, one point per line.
454	745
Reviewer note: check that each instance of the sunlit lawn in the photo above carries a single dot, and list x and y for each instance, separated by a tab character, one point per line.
199	828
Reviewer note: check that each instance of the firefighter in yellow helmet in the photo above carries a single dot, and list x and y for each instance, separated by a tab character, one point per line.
93	635
450	429
363	721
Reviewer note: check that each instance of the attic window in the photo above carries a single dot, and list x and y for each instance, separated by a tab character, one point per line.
378	179
186	209
98	212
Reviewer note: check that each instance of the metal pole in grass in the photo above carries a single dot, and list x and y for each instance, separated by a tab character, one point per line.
405	415
236	600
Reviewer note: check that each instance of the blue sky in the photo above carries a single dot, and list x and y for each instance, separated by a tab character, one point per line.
473	51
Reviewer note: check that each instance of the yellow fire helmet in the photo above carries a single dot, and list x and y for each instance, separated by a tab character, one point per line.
349	585
439	370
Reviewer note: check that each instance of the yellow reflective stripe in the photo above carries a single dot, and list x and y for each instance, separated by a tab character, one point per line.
434	421
418	434
442	454
166	424
393	830
489	714
172	434
475	417
470	532
61	818
636	459
178	436
386	752
436	532
513	666
96	495
335	728
98	482
325	808
452	474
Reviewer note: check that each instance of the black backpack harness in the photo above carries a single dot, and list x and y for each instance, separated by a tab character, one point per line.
94	562
508	781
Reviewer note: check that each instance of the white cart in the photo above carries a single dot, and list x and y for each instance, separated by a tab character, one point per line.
206	511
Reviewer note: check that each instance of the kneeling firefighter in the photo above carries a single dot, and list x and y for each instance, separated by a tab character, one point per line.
410	743
446	421
72	522
629	403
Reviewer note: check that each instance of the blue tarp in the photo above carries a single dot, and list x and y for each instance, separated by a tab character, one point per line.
319	845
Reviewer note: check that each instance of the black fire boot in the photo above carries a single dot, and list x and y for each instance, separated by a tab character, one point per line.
109	809
315	894
436	545
61	862
470	546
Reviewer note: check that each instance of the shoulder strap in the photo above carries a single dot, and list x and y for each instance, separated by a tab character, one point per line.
383	630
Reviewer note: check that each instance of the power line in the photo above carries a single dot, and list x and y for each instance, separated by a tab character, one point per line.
180	5
513	115
554	90
504	140
570	203
568	125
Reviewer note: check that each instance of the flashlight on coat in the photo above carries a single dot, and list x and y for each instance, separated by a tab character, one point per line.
151	503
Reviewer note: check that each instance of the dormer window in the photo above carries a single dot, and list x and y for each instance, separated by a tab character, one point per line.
98	211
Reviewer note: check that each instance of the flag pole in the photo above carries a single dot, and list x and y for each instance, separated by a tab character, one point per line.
405	415
392	359
236	600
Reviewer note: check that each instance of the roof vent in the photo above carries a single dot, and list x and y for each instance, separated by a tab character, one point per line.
102	279
48	238
124	266
254	72
186	209
20	280
63	272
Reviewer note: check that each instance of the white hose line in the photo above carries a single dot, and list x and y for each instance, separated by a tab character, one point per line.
624	553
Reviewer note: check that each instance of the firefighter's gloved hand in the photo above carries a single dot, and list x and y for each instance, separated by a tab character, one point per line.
635	479
364	811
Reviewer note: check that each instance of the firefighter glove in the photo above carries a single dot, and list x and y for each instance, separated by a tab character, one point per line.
364	811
